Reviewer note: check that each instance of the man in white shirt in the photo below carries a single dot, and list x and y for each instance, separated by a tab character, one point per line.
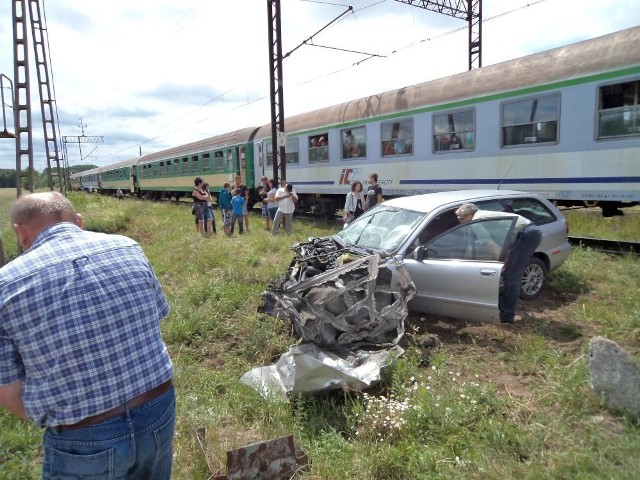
286	197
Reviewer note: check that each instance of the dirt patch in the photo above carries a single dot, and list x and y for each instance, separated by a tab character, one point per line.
458	339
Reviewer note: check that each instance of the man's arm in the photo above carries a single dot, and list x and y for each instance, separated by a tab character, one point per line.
11	398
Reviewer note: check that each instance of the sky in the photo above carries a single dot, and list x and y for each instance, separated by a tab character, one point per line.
147	75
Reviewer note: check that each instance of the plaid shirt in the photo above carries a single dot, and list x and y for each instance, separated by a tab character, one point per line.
79	324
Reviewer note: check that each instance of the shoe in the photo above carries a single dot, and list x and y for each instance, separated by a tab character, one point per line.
507	319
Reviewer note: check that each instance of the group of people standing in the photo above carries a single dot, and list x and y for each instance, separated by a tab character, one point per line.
278	205
232	203
357	202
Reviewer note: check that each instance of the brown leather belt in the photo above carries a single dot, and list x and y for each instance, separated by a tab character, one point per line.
120	410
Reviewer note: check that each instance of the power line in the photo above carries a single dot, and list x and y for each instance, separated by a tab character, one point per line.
322	76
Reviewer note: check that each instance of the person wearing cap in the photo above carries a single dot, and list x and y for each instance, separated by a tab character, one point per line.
81	354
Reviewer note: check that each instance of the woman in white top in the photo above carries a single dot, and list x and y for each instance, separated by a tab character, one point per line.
353	205
272	203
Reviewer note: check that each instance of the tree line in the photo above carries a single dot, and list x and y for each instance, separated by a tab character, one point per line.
40	179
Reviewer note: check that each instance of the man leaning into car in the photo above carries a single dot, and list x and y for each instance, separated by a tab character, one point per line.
526	239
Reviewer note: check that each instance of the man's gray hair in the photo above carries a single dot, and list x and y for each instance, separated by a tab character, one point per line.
467	209
40	206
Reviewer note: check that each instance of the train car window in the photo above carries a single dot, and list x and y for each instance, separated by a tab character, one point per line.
319	148
397	137
206	163
354	143
176	166
228	164
269	149
619	110
531	121
194	164
161	170
292	151
185	165
218	162
454	131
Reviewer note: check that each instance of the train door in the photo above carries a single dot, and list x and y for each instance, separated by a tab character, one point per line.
244	154
259	159
241	155
132	179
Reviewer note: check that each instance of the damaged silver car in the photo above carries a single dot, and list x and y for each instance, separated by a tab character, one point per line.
423	235
353	290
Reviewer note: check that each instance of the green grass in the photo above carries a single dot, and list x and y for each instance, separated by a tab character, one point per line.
590	223
486	403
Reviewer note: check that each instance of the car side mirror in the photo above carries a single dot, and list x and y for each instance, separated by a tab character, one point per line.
419	253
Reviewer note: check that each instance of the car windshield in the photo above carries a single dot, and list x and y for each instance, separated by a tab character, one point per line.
382	228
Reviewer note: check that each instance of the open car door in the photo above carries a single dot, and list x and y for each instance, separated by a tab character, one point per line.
458	273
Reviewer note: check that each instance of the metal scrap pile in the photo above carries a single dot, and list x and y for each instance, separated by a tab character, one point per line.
339	303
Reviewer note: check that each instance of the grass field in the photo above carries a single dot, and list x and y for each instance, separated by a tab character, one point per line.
465	401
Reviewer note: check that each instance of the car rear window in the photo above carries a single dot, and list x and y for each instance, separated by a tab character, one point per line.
530	208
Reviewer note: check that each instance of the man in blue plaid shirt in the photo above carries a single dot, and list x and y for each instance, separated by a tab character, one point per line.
80	348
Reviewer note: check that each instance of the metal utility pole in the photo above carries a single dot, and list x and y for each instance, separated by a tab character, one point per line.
278	153
22	102
469	10
38	33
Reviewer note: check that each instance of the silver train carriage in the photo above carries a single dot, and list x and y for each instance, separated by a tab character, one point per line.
564	123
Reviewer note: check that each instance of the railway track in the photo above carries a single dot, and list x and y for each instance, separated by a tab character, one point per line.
608	246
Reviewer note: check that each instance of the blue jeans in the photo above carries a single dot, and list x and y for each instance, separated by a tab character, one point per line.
136	445
237	218
519	257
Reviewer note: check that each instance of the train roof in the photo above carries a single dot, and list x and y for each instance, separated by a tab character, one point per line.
589	57
243	135
120	164
83	173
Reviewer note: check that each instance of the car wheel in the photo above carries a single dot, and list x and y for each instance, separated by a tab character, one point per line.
534	279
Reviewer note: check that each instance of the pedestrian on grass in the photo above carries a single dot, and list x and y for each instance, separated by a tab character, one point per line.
81	354
226	208
238	208
286	197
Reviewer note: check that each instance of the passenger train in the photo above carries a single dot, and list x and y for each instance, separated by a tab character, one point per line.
564	123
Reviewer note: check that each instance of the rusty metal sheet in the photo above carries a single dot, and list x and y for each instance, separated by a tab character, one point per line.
269	460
